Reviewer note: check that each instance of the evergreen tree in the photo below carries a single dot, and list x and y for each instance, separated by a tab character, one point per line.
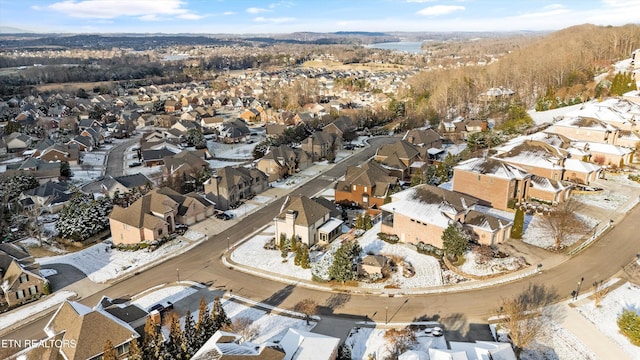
454	240
366	221
359	222
344	352
204	324
189	334
298	257
219	316
175	348
305	262
65	170
518	224
135	353
109	352
343	268
284	250
151	342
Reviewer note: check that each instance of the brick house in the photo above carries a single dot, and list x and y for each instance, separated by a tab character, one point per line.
585	129
423	212
321	145
496	182
427	138
19	275
156	214
307	220
399	157
367	185
282	161
231	185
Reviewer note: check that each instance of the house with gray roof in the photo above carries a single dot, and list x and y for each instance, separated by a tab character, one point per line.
307	220
229	186
123	184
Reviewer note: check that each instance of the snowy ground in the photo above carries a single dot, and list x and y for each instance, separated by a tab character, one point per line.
95	158
27	311
474	266
241	151
604	199
427	267
101	263
605	316
169	293
621	179
549	116
369	341
535	234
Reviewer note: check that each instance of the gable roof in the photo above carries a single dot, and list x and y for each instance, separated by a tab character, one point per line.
492	167
128	181
369	174
421	136
401	149
308	211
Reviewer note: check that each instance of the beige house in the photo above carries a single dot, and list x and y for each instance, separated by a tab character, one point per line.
231	185
307	220
496	182
321	145
156	214
20	276
399	158
422	213
282	161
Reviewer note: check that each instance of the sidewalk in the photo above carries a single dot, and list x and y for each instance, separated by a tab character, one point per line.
590	335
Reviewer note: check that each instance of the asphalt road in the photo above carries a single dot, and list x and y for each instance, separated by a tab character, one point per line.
459	311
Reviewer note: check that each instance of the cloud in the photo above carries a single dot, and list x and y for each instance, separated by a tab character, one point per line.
420	1
255	10
110	9
273	20
227	13
547	11
191	16
438	10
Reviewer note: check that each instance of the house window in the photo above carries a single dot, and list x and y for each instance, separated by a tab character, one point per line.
353	187
33	290
159	232
24	278
122	349
20	294
365	189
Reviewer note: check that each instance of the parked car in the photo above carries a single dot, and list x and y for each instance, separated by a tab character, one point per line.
224	216
135	164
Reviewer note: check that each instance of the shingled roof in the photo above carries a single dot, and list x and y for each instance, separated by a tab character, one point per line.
309	211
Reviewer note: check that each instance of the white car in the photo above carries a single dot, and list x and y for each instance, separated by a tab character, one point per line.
437	331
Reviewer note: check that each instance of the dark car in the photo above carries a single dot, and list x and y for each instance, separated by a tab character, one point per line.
223	216
135	164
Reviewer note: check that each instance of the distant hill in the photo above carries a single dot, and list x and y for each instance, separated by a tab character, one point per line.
12	30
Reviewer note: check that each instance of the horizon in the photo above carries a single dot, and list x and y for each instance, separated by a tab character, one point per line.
247	17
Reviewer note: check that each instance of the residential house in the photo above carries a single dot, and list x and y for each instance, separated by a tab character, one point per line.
372	265
283	161
228	346
184	126
498	183
43	171
88	330
496	94
231	185
307	220
57	152
479	350
301	345
156	214
251	115
398	158
585	129
172	106
50	196
156	157
606	154
210	123
320	145
123	184
17	142
83	143
185	163
366	186
273	131
339	127
422	213
233	131
19	275
426	138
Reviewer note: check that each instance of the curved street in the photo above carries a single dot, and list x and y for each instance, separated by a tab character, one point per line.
458	310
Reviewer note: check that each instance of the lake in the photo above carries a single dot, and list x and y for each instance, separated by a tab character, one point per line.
408	46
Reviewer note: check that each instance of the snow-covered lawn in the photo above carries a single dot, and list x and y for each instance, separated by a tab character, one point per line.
148	171
427	268
26	311
169	293
535	234
242	210
558	343
101	263
474	265
33	243
370	341
621	179
252	253
94	158
606	315
240	151
603	199
83	174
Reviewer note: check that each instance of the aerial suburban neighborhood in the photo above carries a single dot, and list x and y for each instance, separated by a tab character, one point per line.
318	195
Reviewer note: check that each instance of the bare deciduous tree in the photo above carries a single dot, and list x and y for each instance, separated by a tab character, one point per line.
562	223
600	290
308	307
526	315
399	341
243	326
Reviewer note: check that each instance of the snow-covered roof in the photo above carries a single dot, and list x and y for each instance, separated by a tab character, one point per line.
330	225
300	345
580	166
602	148
492	167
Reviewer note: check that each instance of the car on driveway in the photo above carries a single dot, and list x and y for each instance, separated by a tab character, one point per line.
224	216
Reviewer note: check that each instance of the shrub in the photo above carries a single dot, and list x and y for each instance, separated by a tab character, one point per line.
629	324
388	238
47	288
635	178
518	224
428	249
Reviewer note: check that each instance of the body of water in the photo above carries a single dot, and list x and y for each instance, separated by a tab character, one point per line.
408	46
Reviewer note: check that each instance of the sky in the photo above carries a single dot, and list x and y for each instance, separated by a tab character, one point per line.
260	17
